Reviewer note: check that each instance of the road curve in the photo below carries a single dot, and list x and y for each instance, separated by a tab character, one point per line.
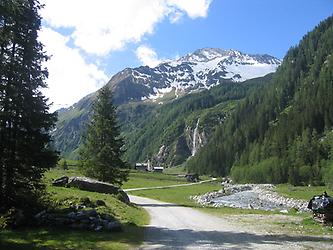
177	227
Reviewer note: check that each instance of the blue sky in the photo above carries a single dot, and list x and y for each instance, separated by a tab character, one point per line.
251	26
134	32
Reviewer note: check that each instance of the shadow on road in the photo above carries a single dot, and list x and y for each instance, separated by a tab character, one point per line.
163	238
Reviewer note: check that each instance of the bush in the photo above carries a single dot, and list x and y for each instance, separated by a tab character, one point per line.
12	218
266	171
63	164
305	174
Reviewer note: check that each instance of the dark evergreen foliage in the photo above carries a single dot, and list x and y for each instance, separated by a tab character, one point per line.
281	132
102	150
24	115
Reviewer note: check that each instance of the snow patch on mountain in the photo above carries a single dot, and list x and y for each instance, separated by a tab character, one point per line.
203	69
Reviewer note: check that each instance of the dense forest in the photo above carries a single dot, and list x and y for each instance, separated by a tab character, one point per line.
283	131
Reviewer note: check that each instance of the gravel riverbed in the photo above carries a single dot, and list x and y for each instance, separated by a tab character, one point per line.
251	196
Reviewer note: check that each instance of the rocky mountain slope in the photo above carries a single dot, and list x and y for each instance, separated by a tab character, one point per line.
200	70
171	133
139	93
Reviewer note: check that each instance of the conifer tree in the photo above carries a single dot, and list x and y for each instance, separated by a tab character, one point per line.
24	115
101	154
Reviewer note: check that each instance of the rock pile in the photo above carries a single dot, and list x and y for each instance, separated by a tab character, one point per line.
250	196
207	199
84	219
232	189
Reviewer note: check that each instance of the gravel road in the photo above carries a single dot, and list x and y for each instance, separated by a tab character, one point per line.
176	227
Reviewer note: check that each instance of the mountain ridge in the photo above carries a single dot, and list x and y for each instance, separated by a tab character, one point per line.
195	72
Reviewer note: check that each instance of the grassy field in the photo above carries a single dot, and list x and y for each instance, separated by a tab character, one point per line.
148	179
137	179
58	172
179	195
175	170
301	192
133	219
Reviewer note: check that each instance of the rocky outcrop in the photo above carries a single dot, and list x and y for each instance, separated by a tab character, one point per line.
160	159
92	185
60	182
162	153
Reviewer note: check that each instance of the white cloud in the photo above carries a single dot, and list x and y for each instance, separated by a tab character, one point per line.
193	8
99	27
70	76
102	26
147	56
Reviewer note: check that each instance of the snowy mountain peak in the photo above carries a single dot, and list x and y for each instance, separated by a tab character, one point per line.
203	55
208	54
202	69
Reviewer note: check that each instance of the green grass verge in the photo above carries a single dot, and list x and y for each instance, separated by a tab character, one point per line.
308	225
302	224
123	212
44	239
301	192
132	217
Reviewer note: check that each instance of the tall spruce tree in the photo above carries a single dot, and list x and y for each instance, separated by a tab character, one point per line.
101	154
24	115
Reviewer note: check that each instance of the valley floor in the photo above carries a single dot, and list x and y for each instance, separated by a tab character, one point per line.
177	227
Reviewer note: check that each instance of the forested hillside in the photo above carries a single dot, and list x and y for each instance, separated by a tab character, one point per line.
282	132
166	134
170	133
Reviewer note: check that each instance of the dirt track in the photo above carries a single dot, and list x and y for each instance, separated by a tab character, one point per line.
176	227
